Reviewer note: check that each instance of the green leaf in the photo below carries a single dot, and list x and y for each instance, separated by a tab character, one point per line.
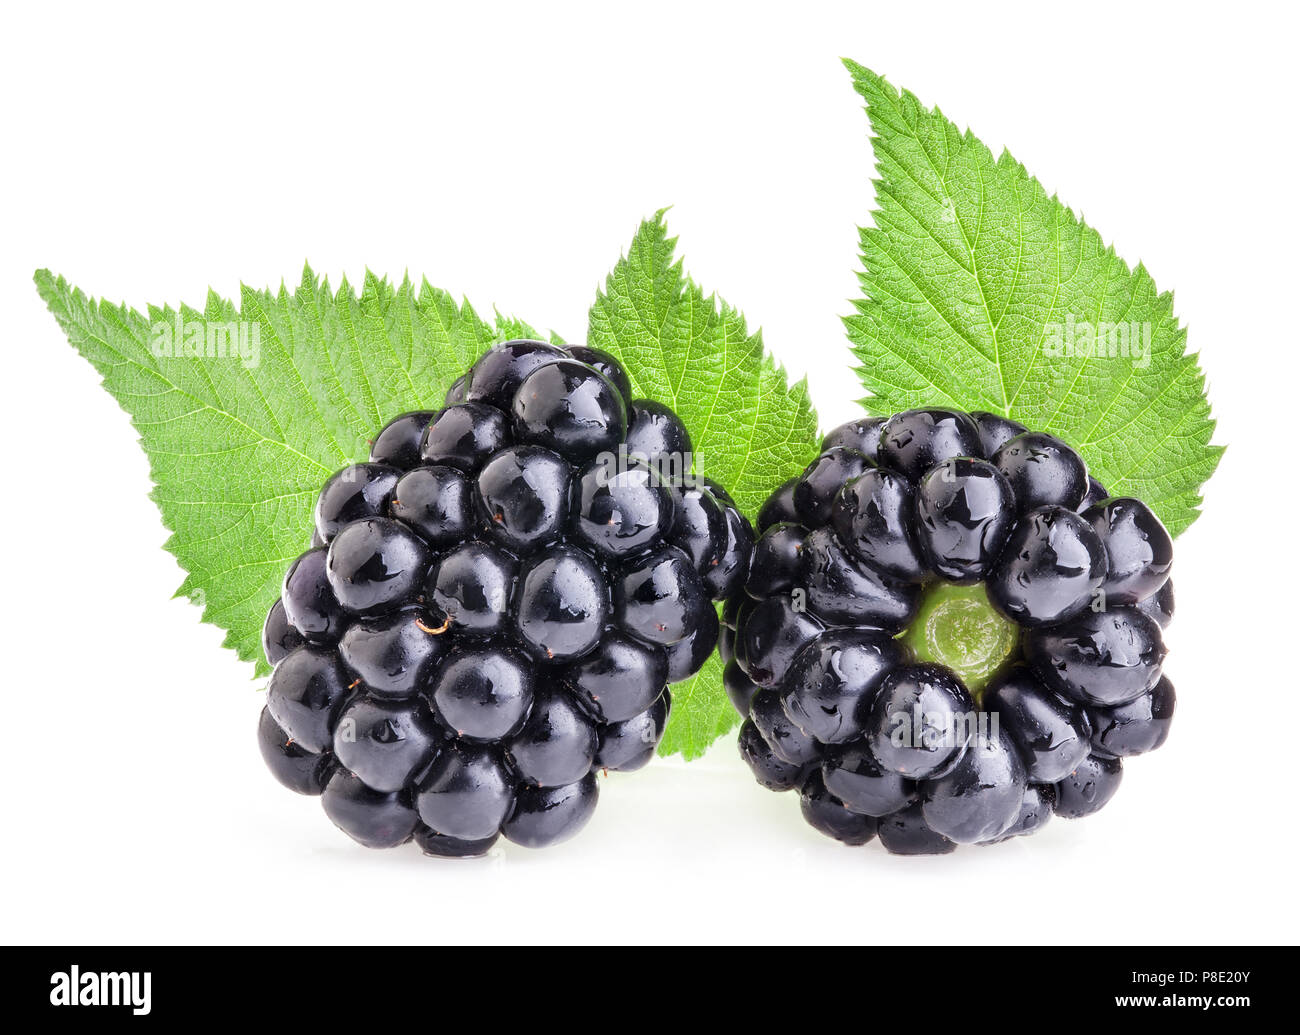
751	429
979	291
239	444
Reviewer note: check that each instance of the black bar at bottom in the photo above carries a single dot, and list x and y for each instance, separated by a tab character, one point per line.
330	985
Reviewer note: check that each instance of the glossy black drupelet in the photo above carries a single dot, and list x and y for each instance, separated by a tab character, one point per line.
880	742
495	606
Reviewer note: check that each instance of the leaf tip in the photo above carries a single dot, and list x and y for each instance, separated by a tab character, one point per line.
47	284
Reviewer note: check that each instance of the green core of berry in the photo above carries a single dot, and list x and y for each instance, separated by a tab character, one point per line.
957	627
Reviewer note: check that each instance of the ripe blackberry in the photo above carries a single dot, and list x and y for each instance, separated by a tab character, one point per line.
494	606
949	632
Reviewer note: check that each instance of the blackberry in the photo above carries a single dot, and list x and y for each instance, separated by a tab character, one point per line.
494	606
949	633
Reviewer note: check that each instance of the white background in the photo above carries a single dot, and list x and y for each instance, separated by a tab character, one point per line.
508	152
